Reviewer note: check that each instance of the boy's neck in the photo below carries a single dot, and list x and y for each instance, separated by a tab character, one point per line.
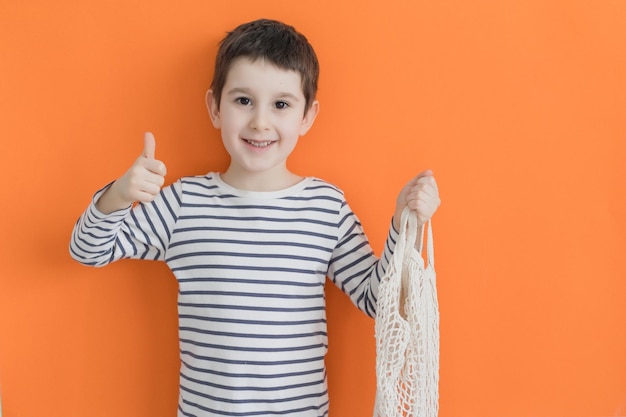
260	181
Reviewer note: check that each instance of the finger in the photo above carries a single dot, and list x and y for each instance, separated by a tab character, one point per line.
424	211
426	193
425	179
149	145
428	187
146	190
144	197
155	179
426	183
154	166
424	174
420	189
152	188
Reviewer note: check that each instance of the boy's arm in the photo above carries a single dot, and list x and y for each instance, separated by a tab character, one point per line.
142	182
354	267
141	232
108	230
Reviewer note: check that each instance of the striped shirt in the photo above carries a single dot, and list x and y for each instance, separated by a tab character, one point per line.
251	269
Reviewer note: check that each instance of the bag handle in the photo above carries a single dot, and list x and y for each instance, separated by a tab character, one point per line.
430	250
408	236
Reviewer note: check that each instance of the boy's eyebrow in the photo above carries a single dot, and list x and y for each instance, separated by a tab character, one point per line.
247	91
238	90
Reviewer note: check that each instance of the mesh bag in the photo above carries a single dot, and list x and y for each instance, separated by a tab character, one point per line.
407	329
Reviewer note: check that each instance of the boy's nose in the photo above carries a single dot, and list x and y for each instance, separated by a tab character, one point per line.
260	120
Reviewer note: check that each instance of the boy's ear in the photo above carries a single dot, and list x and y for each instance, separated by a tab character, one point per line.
214	111
309	117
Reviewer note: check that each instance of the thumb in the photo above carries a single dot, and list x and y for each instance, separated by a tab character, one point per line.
422	174
149	145
425	173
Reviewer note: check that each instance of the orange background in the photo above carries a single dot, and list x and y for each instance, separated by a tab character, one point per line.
518	106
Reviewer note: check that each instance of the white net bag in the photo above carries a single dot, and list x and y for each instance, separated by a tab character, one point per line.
407	329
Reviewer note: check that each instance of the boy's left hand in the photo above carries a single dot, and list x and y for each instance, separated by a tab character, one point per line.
420	194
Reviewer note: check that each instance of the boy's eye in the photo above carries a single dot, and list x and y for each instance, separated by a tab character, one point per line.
281	104
243	101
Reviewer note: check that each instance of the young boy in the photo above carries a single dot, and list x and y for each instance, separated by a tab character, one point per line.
250	247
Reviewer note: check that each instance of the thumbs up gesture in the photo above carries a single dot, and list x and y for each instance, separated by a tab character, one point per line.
142	182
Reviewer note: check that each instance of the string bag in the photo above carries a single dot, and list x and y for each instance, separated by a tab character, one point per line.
407	329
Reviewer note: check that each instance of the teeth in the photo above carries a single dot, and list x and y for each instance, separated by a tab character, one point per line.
258	144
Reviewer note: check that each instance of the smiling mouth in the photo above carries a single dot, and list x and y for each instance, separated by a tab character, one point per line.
259	144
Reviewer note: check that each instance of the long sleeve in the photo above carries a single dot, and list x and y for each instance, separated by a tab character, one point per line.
354	267
251	269
142	232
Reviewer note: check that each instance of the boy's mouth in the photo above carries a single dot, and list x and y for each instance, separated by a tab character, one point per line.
259	144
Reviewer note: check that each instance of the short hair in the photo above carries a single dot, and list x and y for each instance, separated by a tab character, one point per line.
273	42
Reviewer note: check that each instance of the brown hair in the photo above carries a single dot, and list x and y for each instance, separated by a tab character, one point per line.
274	42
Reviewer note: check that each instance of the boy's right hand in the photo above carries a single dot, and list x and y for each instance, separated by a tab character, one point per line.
142	182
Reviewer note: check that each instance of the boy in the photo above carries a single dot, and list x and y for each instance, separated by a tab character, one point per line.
250	247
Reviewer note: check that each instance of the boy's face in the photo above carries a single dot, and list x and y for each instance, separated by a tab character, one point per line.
261	116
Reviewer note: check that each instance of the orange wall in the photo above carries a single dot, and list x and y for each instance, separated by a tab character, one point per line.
518	106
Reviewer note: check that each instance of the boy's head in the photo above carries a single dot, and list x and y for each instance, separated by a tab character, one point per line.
271	41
